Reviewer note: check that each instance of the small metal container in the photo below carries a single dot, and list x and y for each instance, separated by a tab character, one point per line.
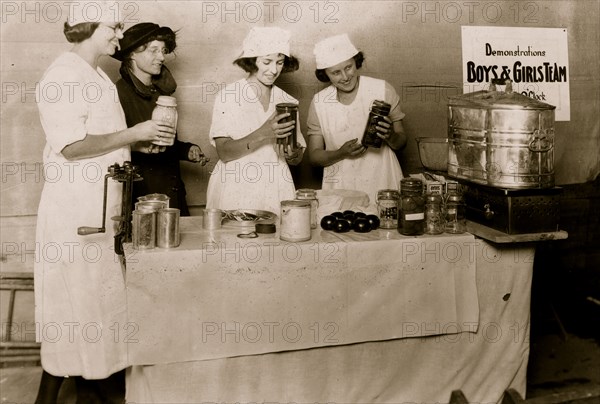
154	198
295	221
167	224
143	230
151	206
212	219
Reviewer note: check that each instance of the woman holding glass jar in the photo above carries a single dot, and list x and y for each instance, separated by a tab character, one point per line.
337	118
252	171
145	78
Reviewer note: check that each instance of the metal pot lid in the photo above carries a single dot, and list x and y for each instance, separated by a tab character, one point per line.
490	99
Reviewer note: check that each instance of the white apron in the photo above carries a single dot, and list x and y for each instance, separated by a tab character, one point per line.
377	168
79	286
261	179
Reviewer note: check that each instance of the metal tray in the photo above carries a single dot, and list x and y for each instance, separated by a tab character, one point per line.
236	218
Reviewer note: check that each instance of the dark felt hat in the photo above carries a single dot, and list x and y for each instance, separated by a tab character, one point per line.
140	34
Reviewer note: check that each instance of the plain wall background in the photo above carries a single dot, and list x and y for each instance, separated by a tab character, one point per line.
415	45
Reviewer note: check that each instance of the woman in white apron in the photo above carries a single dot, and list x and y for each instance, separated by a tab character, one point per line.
337	118
79	286
252	171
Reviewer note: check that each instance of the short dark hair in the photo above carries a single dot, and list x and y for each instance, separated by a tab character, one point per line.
80	32
359	58
290	64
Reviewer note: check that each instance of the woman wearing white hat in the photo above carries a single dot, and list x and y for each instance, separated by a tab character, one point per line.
252	171
337	118
79	286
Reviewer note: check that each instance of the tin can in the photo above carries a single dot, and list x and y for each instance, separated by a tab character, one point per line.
310	195
143	230
212	219
387	206
154	198
379	109
167	228
151	206
292	109
166	111
295	221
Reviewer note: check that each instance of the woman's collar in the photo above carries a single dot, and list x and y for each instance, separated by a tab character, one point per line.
164	83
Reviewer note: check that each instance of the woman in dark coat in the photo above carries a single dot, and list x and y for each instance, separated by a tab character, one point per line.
144	77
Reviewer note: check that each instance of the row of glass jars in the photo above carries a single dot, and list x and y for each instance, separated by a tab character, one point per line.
413	212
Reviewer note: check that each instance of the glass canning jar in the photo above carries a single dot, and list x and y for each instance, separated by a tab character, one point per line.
455	214
412	207
387	208
306	194
434	218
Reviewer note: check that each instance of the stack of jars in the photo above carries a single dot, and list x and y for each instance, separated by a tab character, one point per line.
427	213
154	224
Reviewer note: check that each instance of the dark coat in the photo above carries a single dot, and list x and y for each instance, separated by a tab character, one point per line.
161	171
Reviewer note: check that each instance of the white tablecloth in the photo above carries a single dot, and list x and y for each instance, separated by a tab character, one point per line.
389	318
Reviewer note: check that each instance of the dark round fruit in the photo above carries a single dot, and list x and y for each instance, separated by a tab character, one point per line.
337	214
348	212
359	214
328	222
349	218
342	226
361	225
373	221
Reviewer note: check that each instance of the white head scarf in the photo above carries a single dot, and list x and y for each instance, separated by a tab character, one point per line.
94	11
333	50
262	41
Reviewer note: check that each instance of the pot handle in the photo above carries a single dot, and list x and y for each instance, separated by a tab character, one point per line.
541	144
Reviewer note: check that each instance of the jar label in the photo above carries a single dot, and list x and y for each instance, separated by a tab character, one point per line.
414	216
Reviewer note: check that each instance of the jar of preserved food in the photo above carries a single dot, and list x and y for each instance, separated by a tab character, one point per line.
387	206
379	109
454	213
292	109
434	219
411	220
305	194
166	111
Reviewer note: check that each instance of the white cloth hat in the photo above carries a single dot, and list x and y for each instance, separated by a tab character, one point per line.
333	50
262	41
94	11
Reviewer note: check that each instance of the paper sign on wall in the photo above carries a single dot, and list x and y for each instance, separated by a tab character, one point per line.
535	59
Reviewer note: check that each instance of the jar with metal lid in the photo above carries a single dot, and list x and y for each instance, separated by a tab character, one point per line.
166	111
387	207
306	194
411	220
434	219
455	213
379	109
